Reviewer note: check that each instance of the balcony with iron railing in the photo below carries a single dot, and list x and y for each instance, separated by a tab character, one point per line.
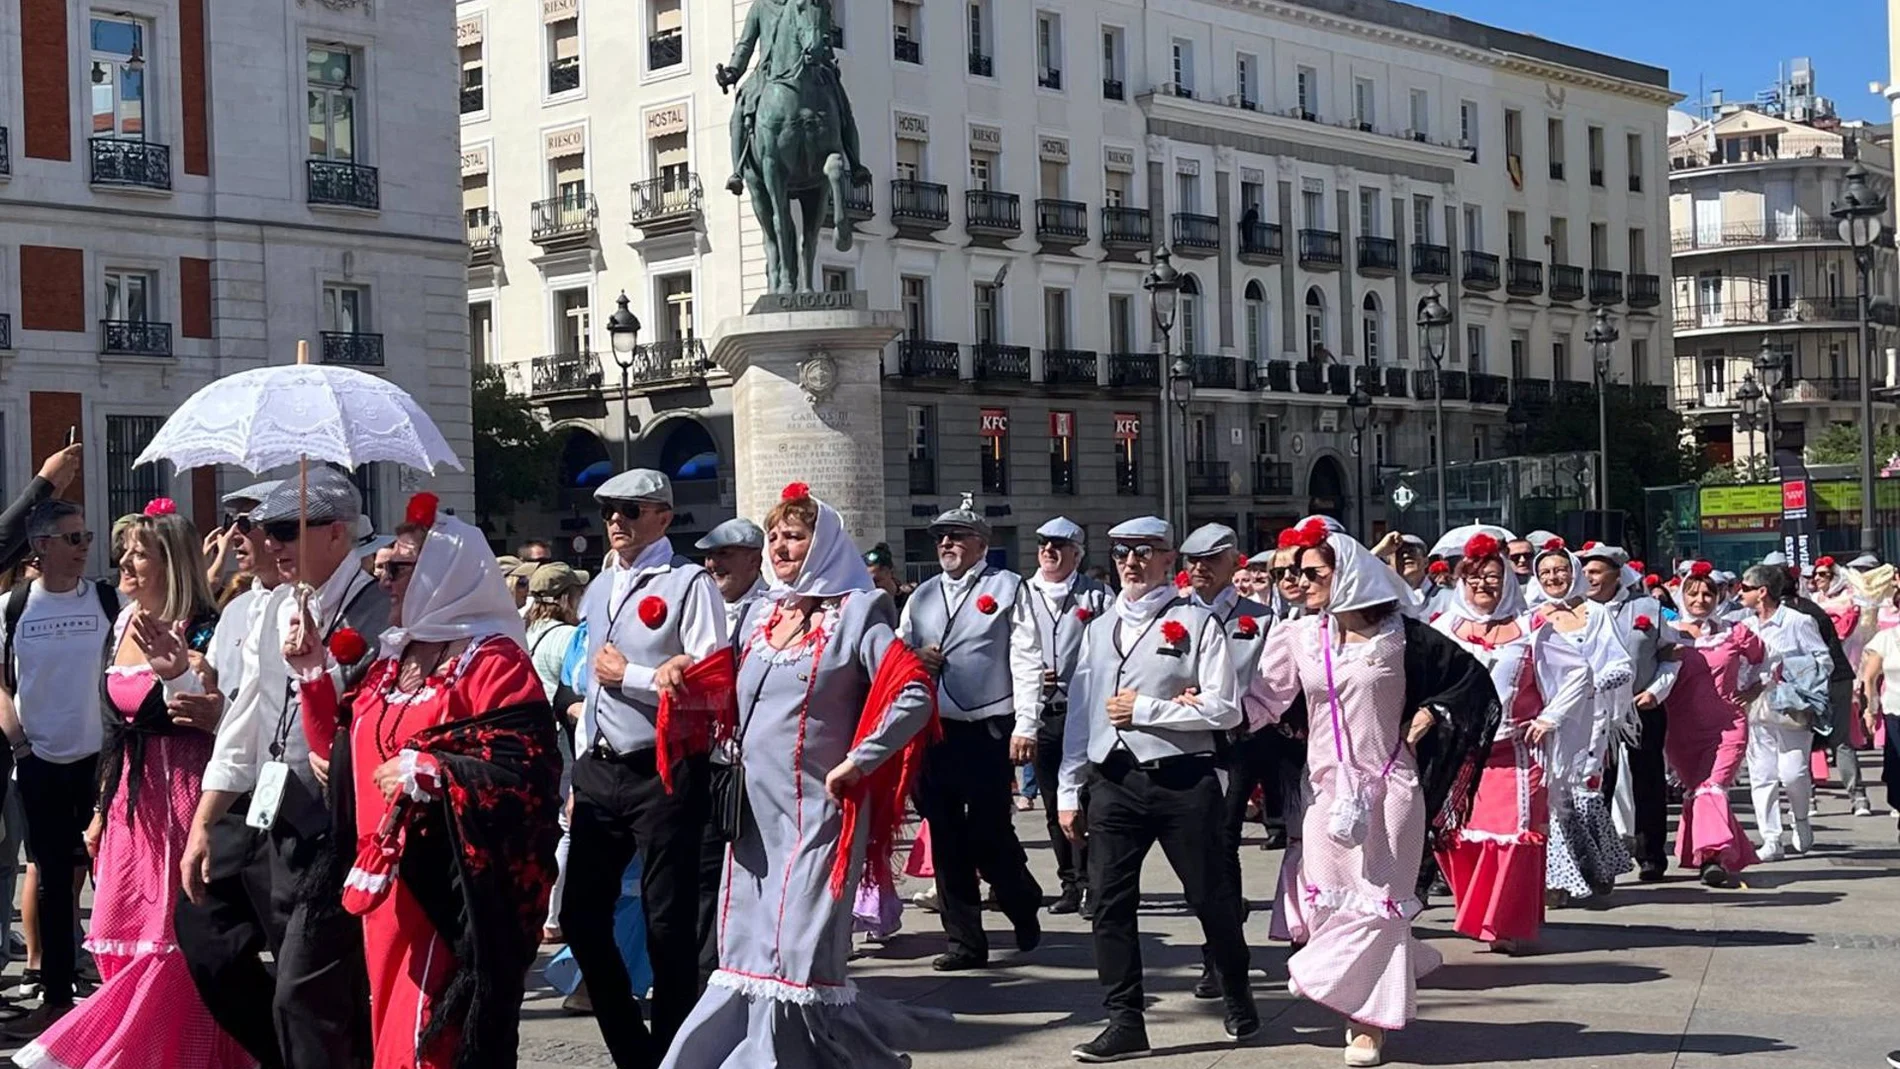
484	236
6	154
1566	282
1533	394
1278	376
1212	372
1378	256
564	220
1127	229
564	75
1049	78
1480	270
134	337
668	202
123	163
1134	370
1209	478
1397	382
1309	377
1068	367
859	203
1762	148
665	49
1779	230
982	66
1523	278
1196	234
1606	286
1062	223
1490	389
1645	291
6	332
1425	383
1272	479
343	184
1431	263
1319	249
352	348
906	50
1367	377
989	213
1261	243
992	362
473	99
1765	311
1112	89
920	358
564	373
673	361
919	206
1339	379
1570	393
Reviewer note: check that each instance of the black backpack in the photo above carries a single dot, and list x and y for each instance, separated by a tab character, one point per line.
16	610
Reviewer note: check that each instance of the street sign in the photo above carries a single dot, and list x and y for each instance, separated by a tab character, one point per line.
1404	497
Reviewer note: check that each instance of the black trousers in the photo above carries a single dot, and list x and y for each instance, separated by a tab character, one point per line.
621	808
58	800
712	872
1285	762
964	792
223	939
1071	858
1131	809
1649	790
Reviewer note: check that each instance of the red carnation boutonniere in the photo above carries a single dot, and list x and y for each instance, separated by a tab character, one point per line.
347	645
652	612
986	604
1175	634
1083	615
1644	623
1246	627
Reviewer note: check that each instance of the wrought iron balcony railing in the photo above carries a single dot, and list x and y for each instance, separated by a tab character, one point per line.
1261	242
564	217
1272	479
1319	248
924	205
1378	255
1211	372
473	99
1049	79
130	164
1480	270
674	194
1127	228
1606	287
563	373
343	184
1134	370
990	362
991	212
564	75
1645	291
1490	389
1523	278
906	50
134	337
1065	221
1193	231
1112	89
1068	367
1208	478
352	348
673	360
1566	282
1431	263
665	50
982	66
919	358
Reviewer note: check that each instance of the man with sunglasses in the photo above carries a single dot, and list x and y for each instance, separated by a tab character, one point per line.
650	615
972	627
1065	602
1155	692
230	915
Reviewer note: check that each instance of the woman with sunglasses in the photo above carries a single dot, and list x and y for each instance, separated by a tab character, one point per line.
1401	721
448	773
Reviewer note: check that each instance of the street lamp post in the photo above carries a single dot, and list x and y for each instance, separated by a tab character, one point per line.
1163	284
1602	337
1434	331
1859	211
1748	399
1181	392
1770	366
1359	407
623	331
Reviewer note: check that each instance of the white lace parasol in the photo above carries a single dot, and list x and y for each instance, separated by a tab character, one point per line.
274	416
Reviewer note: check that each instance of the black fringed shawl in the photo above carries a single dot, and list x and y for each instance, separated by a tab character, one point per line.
1442	676
122	753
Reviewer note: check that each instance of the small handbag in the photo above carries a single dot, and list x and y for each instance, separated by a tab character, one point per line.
1350	816
731	812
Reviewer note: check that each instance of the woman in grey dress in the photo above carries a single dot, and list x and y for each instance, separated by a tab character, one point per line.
826	754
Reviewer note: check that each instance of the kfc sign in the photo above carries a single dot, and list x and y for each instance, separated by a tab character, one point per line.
1127	426
995	422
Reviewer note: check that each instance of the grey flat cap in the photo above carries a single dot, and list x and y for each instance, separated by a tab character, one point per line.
329	498
1143	529
637	484
964	517
1540	538
1062	529
1777	559
253	494
1414	541
1865	560
1209	539
1613	554
736	533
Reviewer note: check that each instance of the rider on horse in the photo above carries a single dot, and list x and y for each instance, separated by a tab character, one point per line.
762	26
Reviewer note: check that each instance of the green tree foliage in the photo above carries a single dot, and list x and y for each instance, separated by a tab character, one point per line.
1646	446
514	454
1840	444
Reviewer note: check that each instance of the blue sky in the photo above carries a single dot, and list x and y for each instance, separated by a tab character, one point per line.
1733	45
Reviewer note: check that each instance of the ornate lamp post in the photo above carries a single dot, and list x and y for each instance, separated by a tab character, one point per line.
1181	393
1359	407
623	331
1859	212
1770	367
1602	337
1434	333
1748	398
1163	284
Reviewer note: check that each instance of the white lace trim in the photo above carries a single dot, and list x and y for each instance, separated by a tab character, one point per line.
759	646
368	883
1710	788
34	1056
130	948
1313	897
766	987
412	777
1501	837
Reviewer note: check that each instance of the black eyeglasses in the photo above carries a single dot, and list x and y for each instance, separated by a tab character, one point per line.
1746	587
954	535
1057	544
243	524
1522	558
1284	573
1122	552
393	570
71	538
283	532
1315	575
609	507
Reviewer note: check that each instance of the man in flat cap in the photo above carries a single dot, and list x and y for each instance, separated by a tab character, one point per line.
971	625
1638	621
650	614
1065	601
233	910
1155	692
735	555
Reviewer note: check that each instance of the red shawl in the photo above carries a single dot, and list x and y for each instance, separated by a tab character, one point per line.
880	796
684	727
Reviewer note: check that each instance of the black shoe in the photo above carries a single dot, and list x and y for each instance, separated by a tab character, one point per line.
30	1026
1118	1042
1650	872
27	986
1275	839
960	961
1028	932
1070	901
1207	988
1243	1020
1087	910
1714	875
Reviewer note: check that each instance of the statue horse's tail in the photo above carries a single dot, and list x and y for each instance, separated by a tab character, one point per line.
839	174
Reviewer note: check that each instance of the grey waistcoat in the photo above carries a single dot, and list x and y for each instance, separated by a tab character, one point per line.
1640	645
1243	648
626	723
1062	635
975	645
1107	671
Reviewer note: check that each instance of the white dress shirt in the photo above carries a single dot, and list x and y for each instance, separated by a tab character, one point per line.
736	609
1025	658
702	626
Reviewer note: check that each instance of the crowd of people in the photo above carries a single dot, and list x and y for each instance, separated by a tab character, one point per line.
337	792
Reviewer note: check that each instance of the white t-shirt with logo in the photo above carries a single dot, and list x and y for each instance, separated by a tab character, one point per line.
60	661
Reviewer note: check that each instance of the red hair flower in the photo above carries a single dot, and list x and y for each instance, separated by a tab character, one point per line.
1553	545
1241	562
1701	569
652	612
1824	562
1481	545
794	492
1644	623
1637	565
985	604
1288	539
161	506
1246	627
1652	581
1438	567
1181	579
1311	533
421	511
1174	632
347	645
1083	615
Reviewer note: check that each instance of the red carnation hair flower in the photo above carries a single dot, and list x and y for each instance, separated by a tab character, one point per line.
161	506
1247	625
1083	614
1313	533
421	511
794	492
1701	569
985	604
1439	567
1241	562
1652	581
1481	545
1824	562
1553	545
1636	565
1644	623
1288	539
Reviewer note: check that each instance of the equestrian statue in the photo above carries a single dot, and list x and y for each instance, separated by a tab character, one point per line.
793	135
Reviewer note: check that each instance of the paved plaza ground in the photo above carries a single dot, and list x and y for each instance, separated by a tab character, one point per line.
1796	969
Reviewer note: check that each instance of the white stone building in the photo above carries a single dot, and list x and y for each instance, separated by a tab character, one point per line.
1315	166
183	197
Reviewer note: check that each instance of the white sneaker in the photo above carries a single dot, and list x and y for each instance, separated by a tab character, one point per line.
1769	851
1803	837
925	899
1862	807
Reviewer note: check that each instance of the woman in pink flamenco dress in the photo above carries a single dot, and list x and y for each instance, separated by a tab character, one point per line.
1400	720
1708	728
146	1013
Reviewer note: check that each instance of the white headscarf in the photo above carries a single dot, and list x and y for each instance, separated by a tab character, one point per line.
456	592
833	566
1510	598
1360	580
1535	596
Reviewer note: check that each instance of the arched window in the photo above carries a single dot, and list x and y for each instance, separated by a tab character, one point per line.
1369	328
1189	315
1315	323
1256	323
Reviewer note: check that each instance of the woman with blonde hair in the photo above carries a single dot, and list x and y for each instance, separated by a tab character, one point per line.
147	1011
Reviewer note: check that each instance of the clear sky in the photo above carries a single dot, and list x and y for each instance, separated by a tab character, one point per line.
1732	45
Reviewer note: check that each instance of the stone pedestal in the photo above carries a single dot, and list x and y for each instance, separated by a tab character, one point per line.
808	403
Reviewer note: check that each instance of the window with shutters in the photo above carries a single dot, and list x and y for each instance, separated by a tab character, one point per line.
564	56
1370	327
1468	126
910	160
1121	323
676	306
672	165
474	79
